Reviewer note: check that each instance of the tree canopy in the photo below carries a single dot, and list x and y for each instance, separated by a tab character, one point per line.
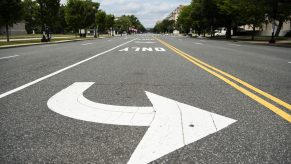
10	13
207	15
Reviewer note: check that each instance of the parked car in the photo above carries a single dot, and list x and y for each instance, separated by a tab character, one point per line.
221	32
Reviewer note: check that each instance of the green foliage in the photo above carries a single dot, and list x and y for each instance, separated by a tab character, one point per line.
207	15
101	20
109	21
184	22
166	26
31	15
11	12
49	13
123	23
80	13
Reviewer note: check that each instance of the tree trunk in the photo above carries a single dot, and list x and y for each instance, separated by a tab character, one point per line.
7	33
228	33
254	31
279	28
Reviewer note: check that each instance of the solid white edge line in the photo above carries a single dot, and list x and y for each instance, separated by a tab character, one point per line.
59	71
7	57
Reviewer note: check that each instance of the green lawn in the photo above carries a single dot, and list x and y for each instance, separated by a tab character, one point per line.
70	37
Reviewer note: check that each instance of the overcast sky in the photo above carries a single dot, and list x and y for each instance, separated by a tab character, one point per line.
148	11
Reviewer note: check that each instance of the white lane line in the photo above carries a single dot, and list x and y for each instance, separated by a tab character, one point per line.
289	62
234	44
7	57
49	45
199	43
59	71
85	44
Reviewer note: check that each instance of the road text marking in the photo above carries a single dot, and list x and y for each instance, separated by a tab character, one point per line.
145	42
59	71
143	49
7	57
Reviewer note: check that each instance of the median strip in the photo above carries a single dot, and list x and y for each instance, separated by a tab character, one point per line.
210	69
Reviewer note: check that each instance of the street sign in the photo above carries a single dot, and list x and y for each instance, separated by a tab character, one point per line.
172	124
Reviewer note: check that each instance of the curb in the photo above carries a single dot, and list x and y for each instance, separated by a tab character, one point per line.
286	45
44	43
267	44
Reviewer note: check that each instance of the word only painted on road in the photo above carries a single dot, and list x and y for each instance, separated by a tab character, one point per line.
143	49
145	39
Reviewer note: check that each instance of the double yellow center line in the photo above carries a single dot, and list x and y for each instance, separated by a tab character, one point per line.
226	78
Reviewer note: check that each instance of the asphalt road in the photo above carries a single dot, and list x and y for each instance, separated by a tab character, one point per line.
30	132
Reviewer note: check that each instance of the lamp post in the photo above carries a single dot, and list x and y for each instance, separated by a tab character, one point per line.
95	34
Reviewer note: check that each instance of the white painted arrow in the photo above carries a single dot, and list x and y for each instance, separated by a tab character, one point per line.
172	124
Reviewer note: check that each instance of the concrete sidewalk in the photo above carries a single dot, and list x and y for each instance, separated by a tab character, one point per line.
279	43
24	39
41	43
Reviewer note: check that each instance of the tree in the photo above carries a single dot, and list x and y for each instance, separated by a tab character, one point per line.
61	24
166	26
31	15
279	10
136	23
49	13
122	24
101	20
80	14
229	9
109	21
184	22
10	13
253	13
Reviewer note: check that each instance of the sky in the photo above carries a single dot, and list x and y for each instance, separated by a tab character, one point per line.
147	11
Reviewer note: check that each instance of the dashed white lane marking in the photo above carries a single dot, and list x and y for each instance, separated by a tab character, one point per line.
289	62
199	43
59	71
49	45
7	57
234	44
85	44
